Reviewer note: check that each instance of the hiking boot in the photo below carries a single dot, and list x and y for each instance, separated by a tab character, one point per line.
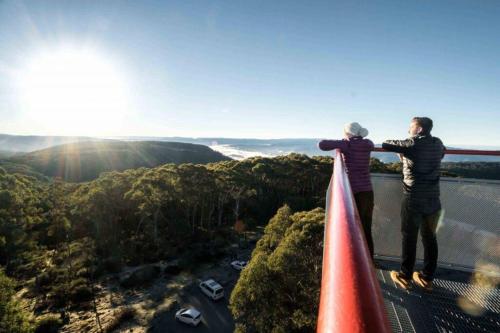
400	280
421	281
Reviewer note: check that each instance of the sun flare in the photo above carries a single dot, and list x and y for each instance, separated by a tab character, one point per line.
72	91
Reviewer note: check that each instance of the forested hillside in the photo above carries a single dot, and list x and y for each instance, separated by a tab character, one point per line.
57	238
83	161
29	143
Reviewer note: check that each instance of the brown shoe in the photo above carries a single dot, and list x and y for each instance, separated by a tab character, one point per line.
400	280
419	280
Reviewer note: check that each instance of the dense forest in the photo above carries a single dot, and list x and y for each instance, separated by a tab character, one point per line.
57	238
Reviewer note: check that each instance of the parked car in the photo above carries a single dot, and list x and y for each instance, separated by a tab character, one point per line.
238	264
189	316
212	289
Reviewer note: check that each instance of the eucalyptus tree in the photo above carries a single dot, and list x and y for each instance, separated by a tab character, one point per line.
285	271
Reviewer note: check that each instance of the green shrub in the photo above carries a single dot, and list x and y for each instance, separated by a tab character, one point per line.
49	324
58	275
59	260
82	273
13	318
81	294
43	279
60	296
121	316
141	276
78	283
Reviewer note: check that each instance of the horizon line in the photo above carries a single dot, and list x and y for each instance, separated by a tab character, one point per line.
204	138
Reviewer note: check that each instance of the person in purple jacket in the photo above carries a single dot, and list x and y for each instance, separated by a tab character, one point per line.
356	150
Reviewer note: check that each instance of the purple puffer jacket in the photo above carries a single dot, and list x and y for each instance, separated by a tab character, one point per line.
356	152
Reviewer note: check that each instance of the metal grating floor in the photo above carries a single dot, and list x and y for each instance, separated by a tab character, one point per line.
455	305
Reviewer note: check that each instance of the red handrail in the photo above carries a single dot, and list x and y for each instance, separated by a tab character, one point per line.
350	300
460	152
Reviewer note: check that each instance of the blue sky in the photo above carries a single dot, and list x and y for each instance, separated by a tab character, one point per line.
271	69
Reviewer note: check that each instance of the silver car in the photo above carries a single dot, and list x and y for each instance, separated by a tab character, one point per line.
189	316
238	264
212	289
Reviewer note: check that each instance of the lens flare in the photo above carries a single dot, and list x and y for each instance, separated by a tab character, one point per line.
73	91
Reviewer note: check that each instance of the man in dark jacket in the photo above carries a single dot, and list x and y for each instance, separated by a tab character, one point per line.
421	207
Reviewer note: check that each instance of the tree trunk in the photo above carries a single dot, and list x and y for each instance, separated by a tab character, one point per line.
155	221
193	220
210	213
220	208
139	225
201	214
236	209
188	216
94	303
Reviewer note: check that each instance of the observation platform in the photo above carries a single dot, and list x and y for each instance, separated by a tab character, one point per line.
460	302
466	295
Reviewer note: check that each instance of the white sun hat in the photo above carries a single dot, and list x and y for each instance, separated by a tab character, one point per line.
355	129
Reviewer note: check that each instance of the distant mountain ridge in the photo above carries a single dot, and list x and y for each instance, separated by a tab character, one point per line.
231	147
29	143
243	148
83	161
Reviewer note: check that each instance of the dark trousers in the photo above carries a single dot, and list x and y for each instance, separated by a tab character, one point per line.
364	203
424	214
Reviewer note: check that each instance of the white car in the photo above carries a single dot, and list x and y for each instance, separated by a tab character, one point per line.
239	265
189	316
212	289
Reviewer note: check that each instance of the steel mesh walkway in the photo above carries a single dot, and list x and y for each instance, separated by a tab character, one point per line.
455	304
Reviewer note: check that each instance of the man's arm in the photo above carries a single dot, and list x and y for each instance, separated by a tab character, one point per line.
443	147
333	144
398	146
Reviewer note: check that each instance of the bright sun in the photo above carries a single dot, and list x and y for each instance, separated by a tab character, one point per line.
71	91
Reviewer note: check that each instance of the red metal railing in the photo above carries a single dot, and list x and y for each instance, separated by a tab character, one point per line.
351	300
460	152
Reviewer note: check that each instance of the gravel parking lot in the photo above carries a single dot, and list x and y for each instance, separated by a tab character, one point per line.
216	315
